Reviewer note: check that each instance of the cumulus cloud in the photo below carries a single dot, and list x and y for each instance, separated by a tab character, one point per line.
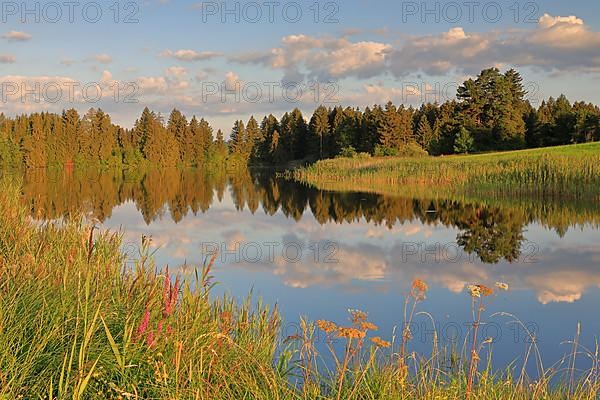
232	81
189	55
106	78
103	58
17	36
152	84
555	43
174	82
323	57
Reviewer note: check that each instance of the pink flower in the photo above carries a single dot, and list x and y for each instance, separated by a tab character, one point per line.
143	324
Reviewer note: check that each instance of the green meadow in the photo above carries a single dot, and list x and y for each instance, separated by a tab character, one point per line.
571	172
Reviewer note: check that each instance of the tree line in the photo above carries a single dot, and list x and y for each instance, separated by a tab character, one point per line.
490	112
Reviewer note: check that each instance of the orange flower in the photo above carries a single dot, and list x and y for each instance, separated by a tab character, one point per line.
357	316
419	285
367	326
377	341
418	289
351	333
327	326
486	291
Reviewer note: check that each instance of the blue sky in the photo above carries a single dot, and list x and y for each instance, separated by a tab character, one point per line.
183	54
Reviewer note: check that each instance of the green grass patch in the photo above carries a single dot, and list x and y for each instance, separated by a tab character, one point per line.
563	172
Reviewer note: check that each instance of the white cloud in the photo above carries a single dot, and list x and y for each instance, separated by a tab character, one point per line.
323	57
232	81
189	55
103	58
107	78
555	43
17	36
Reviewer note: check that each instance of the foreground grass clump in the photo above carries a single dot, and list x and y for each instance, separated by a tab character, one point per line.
569	171
79	322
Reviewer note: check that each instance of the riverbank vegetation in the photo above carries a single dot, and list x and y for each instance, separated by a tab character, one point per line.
81	320
568	172
491	112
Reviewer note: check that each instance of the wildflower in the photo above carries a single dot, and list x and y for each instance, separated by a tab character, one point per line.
351	333
475	291
502	286
327	326
479	290
486	291
368	326
357	316
143	324
406	333
377	341
150	341
419	285
418	289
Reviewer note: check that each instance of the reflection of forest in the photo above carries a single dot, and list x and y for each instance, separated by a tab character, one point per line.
493	232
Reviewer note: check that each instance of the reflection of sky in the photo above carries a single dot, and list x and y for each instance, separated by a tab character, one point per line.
368	267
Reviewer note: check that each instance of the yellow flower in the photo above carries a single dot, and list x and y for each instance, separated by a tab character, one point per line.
377	341
480	290
502	286
475	291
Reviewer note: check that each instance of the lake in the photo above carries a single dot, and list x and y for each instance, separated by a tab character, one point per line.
318	254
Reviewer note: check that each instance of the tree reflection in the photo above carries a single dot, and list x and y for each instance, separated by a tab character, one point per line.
491	231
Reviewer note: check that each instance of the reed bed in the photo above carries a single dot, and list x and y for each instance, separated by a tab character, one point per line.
79	321
564	172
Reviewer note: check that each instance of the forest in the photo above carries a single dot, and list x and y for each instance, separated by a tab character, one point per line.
490	113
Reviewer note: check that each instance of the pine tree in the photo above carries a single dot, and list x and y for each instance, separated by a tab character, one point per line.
220	148
253	139
319	132
238	141
425	134
179	129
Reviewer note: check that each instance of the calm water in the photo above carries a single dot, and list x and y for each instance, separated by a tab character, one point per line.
319	254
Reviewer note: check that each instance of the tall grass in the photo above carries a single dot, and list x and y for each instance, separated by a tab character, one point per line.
566	171
77	321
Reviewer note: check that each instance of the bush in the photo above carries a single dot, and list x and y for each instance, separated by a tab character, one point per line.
348	152
411	149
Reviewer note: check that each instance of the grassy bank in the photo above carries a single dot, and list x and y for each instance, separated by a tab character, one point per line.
79	320
565	171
